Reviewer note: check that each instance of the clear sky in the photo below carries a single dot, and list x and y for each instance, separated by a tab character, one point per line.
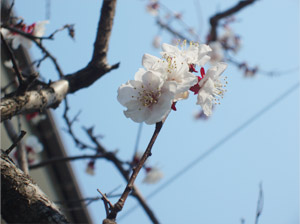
212	169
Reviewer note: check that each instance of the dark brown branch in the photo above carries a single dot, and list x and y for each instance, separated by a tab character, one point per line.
214	20
34	100
83	78
38	42
120	204
69	123
119	165
20	77
22	201
22	155
64	159
98	66
22	134
106	202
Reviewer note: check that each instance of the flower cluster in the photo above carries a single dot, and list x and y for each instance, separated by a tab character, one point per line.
36	29
163	81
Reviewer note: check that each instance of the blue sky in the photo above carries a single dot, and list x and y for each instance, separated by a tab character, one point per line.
254	133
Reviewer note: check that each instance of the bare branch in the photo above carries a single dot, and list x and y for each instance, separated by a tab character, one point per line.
106	202
34	100
22	155
51	97
214	20
120	204
64	159
20	77
98	66
119	165
69	123
15	143
19	193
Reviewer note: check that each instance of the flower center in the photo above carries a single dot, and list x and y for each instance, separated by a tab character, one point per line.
148	97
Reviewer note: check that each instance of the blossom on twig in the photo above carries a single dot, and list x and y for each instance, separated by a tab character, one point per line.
195	54
164	81
148	98
90	168
211	88
36	29
153	175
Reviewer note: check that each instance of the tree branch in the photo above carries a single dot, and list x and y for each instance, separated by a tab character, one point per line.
34	100
22	155
51	97
119	165
120	204
98	66
64	159
22	201
214	20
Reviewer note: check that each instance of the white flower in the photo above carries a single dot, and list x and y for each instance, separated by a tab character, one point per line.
33	142
194	54
172	69
148	98
37	29
211	87
33	147
8	64
217	53
153	175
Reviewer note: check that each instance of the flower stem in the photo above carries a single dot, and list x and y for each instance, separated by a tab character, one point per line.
120	204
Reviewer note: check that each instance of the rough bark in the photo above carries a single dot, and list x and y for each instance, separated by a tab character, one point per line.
22	201
35	100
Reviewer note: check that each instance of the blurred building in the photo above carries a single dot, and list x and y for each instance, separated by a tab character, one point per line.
57	180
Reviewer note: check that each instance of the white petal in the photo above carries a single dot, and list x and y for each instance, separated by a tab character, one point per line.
127	92
39	28
169	48
138	75
149	61
153	80
16	42
136	112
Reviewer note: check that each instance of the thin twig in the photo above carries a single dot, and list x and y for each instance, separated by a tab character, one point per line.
69	123
15	143
260	203
22	155
106	202
119	165
65	159
20	77
120	204
214	20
